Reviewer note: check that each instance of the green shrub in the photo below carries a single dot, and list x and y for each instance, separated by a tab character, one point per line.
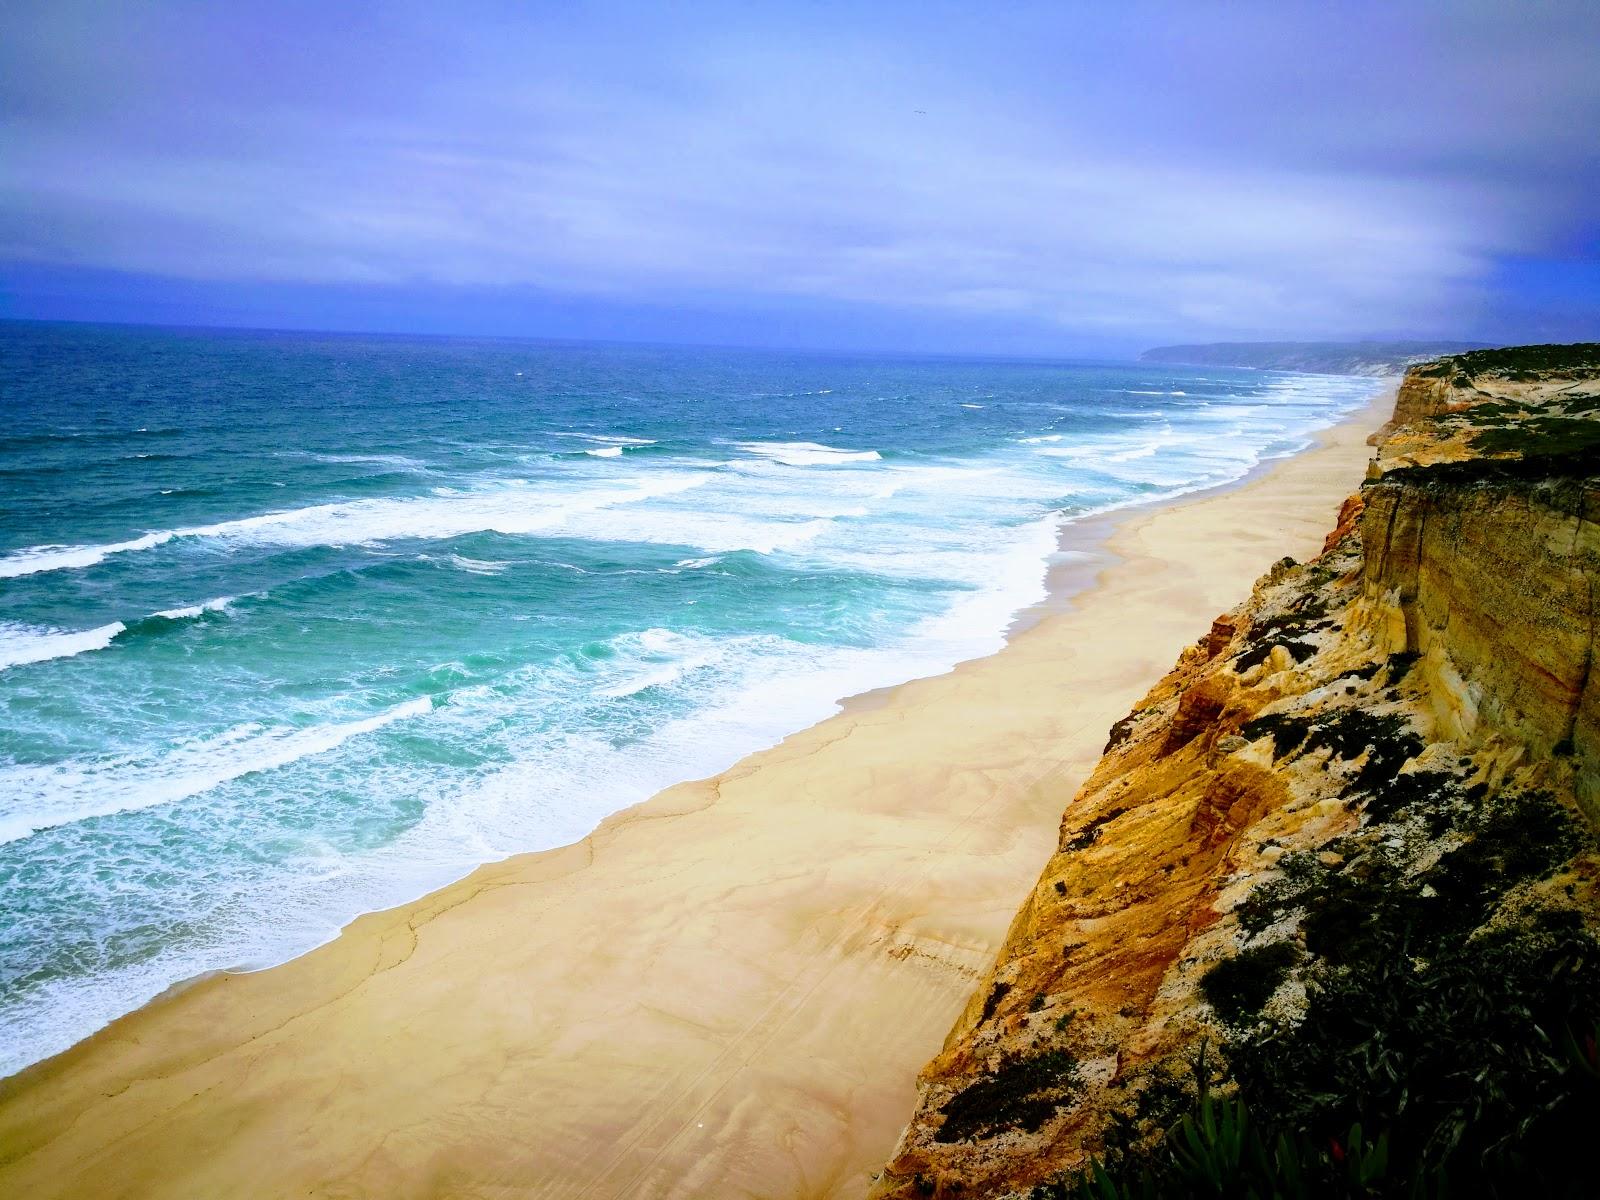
1217	1152
1523	362
1542	438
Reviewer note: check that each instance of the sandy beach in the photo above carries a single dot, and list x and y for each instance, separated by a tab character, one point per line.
726	991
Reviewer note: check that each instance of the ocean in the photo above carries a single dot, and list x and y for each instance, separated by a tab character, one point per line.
298	626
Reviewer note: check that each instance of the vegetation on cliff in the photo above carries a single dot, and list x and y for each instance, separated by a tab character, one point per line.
1450	1008
1572	361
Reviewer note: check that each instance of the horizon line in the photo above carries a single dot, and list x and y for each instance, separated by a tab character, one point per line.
643	343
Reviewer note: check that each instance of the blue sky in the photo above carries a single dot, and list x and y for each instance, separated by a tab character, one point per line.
1053	178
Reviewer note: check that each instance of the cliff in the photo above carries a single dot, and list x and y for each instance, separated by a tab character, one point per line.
1338	869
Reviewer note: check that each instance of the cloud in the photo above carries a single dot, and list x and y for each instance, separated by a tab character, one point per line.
1162	169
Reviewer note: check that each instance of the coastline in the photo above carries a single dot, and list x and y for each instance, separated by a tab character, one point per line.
727	989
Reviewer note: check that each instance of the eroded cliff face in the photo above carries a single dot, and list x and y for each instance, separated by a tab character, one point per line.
1484	555
1383	757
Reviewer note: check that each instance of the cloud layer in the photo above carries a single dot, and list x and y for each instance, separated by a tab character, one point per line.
1104	176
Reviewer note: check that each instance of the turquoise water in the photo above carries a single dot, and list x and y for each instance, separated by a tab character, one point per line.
293	627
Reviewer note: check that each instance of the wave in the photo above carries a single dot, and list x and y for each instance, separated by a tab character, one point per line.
194	610
608	445
451	513
607	439
385	460
724	532
63	558
23	644
476	566
807	454
79	436
765	521
666	656
69	792
670	673
748	508
1147	450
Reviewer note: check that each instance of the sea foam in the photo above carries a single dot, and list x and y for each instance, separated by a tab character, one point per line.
21	644
78	790
219	604
504	508
808	454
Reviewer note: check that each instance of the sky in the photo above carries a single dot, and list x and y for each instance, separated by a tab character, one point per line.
1064	178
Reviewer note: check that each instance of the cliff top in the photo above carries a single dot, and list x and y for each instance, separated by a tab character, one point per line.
1519	363
1530	410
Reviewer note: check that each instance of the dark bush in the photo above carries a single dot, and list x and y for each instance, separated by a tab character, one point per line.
1238	987
1386	738
1288	731
1400	665
1526	361
1542	438
1090	833
1023	1094
1431	792
1258	653
996	994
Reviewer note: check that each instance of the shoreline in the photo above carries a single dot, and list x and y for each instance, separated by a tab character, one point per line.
1077	555
1082	551
730	986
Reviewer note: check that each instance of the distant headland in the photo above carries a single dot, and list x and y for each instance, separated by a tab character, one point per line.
1320	358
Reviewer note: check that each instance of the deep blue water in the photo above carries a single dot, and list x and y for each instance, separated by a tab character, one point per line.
297	626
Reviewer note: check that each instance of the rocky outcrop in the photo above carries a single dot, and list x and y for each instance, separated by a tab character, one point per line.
1421	394
1368	790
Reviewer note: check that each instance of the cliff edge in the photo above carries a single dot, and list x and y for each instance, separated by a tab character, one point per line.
1338	871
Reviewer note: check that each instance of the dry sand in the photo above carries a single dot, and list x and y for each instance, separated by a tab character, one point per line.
726	991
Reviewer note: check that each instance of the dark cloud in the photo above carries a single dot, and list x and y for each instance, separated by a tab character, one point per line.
1087	174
